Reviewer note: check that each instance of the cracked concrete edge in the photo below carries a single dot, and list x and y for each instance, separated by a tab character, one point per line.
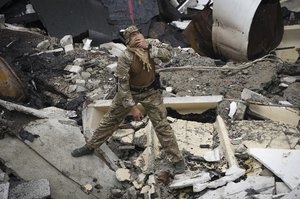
221	128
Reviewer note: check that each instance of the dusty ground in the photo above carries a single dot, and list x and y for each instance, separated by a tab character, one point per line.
47	83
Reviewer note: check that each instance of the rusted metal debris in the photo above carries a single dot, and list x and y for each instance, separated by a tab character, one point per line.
10	85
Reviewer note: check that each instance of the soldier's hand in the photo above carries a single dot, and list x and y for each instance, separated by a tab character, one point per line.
136	113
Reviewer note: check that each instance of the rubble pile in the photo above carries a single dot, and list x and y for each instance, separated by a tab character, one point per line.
236	123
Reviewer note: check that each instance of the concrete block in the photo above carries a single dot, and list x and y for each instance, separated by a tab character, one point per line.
4	189
85	75
240	112
73	68
79	61
66	40
80	82
112	67
44	45
259	184
282	188
294	194
183	181
87	44
69	48
288	79
123	175
282	162
80	89
32	189
251	95
72	88
125	136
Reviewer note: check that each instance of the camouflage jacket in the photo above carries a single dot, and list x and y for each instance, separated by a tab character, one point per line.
158	50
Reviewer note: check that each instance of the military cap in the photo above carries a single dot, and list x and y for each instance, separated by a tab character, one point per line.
128	31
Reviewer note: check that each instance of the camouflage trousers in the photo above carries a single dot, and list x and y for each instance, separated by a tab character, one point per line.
153	103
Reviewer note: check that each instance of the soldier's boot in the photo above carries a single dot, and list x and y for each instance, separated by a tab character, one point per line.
179	167
81	151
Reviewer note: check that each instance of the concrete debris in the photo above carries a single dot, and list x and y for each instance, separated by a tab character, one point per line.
253	96
109	156
283	85
66	40
88	188
233	173
73	68
87	44
69	48
281	188
115	49
294	194
214	155
280	114
186	180
288	80
257	185
281	162
270	111
190	135
112	67
181	24
225	142
4	189
32	189
44	45
169	89
123	175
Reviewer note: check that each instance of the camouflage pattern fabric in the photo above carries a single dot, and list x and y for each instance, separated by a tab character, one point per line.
151	100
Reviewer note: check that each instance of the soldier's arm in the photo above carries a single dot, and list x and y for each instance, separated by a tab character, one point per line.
122	73
160	50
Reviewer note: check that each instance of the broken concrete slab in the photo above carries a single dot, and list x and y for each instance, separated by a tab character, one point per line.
294	194
184	105
264	134
115	49
225	142
190	135
259	185
182	181
123	175
276	113
281	188
290	37
233	173
248	94
214	155
4	189
66	40
36	167
32	189
283	163
73	68
66	135
44	45
215	194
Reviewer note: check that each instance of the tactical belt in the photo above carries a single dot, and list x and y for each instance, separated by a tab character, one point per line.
143	89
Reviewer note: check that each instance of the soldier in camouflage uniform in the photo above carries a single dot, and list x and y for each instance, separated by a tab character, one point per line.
136	79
